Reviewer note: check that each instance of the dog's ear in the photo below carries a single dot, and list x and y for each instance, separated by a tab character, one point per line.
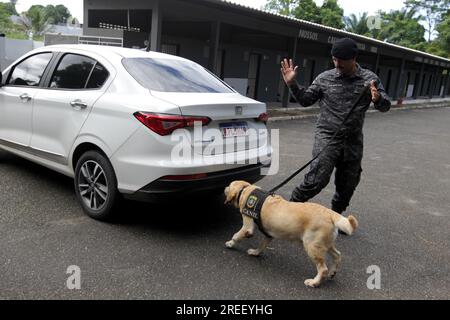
227	195
233	190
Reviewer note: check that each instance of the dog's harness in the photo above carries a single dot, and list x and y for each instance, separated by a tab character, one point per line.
253	206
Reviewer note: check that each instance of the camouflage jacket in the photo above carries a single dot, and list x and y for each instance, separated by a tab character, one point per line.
336	95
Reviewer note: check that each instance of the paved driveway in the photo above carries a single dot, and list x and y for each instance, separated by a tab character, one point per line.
177	251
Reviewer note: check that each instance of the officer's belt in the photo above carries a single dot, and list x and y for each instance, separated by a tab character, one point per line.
253	206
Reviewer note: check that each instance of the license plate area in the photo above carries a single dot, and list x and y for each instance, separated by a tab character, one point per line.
234	129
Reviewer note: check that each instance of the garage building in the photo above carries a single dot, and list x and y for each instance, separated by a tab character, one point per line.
244	46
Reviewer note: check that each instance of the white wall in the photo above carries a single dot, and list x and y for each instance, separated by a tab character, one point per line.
2	53
12	49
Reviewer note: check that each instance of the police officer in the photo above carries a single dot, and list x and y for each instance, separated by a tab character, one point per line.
337	90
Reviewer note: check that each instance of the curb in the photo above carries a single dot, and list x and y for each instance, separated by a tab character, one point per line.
393	108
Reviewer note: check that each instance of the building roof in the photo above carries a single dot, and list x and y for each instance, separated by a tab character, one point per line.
304	23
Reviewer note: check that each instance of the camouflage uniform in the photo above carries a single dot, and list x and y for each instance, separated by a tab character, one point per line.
337	94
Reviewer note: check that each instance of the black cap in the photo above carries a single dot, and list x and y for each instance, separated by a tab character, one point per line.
2	35
345	49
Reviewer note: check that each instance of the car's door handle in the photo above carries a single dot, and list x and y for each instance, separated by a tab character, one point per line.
78	104
25	97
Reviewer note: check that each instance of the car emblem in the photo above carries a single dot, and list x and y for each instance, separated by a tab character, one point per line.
239	111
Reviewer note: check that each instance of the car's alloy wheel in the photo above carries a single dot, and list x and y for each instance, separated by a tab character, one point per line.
93	185
96	185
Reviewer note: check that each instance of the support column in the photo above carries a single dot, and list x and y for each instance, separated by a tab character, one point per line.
419	84
446	83
400	81
432	84
377	62
155	32
292	50
214	42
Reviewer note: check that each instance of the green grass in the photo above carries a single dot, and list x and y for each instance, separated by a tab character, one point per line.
21	35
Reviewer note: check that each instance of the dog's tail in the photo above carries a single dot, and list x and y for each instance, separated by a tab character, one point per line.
347	225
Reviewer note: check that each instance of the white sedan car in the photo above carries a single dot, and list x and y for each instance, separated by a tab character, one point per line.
124	122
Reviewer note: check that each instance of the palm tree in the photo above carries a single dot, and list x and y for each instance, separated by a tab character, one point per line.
34	20
357	24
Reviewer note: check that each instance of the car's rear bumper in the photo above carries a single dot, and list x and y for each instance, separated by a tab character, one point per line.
163	190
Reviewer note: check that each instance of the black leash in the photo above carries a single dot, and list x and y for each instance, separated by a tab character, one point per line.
361	95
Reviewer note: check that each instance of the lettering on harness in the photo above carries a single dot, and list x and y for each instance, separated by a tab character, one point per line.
253	207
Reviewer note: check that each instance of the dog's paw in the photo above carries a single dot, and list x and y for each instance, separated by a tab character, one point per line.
229	244
311	283
253	252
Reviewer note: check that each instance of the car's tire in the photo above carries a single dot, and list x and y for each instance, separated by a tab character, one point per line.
96	186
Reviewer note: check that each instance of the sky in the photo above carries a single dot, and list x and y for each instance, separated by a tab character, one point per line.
350	6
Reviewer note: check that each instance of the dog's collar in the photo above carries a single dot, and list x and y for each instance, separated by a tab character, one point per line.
240	194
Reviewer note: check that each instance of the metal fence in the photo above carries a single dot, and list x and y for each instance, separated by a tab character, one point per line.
104	41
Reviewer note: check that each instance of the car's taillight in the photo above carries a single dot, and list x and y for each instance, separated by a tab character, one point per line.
165	124
263	117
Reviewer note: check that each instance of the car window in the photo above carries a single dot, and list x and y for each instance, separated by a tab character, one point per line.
98	77
72	72
171	75
29	72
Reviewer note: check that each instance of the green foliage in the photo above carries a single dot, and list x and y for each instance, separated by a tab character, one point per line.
7	9
307	10
5	12
437	17
283	7
357	24
402	27
332	14
56	14
37	19
434	11
443	39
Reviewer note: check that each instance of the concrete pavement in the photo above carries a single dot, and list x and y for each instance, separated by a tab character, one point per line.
177	251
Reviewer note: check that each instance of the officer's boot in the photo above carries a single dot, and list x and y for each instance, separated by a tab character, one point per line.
297	196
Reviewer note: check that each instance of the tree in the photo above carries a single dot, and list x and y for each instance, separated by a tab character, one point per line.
307	10
34	20
332	15
357	24
434	11
402	27
441	45
283	7
8	8
56	14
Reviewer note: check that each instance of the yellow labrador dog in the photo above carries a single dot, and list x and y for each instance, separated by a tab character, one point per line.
311	224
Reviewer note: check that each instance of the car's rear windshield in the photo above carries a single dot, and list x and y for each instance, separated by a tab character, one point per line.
171	75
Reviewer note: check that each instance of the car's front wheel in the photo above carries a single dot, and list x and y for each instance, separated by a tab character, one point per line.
96	186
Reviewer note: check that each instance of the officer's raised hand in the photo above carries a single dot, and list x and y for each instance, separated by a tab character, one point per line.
374	91
288	71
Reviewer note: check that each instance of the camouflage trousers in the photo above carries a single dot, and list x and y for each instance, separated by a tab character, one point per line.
344	155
